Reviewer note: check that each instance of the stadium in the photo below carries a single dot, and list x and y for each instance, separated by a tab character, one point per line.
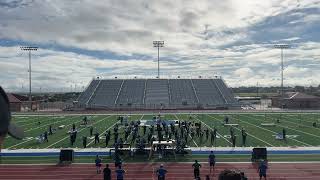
157	94
91	102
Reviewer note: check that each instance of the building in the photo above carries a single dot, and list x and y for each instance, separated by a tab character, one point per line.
297	100
15	103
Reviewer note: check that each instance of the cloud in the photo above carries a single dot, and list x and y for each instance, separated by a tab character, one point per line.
82	39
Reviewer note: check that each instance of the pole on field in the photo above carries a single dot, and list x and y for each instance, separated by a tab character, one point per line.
29	49
281	47
158	44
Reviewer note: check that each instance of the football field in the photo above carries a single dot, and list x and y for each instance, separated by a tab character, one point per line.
261	129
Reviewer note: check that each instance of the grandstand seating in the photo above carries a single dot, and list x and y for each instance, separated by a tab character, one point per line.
208	93
132	92
106	93
157	93
84	97
228	95
182	92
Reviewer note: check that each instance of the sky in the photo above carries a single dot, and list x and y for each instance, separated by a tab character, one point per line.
82	39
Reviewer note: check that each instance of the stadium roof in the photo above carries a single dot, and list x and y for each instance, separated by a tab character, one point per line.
12	98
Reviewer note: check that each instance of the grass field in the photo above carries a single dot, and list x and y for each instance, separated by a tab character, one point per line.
299	129
188	158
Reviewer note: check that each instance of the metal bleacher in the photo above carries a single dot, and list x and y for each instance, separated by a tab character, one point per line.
157	93
228	95
106	93
85	95
208	93
131	93
182	92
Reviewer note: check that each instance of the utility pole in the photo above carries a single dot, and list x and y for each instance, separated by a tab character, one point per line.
158	44
281	47
29	49
257	89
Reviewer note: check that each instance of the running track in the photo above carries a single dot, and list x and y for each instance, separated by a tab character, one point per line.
305	171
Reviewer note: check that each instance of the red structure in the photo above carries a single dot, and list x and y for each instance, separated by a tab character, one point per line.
297	100
15	103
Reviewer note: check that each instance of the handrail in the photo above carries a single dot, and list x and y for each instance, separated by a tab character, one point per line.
93	92
215	84
195	92
115	101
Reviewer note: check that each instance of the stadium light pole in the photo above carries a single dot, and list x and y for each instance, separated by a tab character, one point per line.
158	44
29	49
281	47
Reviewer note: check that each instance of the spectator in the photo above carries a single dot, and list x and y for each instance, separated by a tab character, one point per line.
107	173
107	138
5	117
226	120
72	139
84	141
117	159
284	133
212	161
233	139
85	120
196	169
96	138
98	164
50	130
229	175
244	136
161	172
243	177
263	170
91	131
45	135
73	127
120	173
314	124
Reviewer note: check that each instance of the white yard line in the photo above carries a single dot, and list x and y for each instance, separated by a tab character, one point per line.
304	118
103	132
33	121
78	132
312	119
299	130
33	139
296	129
132	131
212	129
272	131
248	134
189	134
19	143
50	124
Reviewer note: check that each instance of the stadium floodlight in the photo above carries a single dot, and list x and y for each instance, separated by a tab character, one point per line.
29	49
281	47
158	44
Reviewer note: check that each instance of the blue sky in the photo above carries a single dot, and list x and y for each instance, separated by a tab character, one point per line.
82	39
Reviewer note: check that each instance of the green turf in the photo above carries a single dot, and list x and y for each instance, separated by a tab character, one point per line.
186	158
299	124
